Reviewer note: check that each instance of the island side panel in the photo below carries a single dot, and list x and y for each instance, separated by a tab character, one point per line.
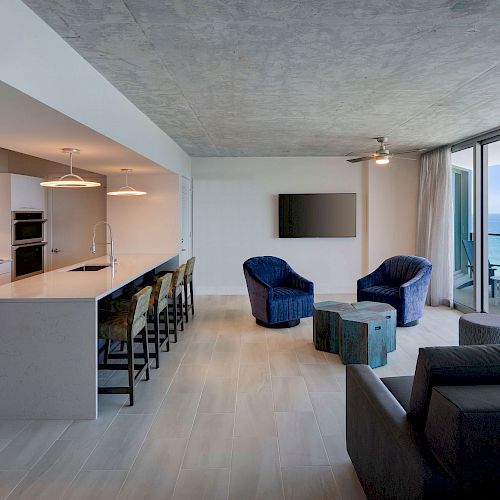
48	359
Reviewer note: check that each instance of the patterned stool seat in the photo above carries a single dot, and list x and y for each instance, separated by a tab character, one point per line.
479	328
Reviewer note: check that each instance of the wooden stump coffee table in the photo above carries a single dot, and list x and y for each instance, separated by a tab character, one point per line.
370	330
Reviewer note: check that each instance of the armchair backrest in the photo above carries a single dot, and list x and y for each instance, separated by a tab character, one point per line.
402	268
270	270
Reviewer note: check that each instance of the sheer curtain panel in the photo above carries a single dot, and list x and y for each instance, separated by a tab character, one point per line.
434	223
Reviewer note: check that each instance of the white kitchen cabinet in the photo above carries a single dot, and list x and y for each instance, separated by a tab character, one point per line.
26	193
5	269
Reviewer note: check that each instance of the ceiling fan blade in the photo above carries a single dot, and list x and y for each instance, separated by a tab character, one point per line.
356	160
404	157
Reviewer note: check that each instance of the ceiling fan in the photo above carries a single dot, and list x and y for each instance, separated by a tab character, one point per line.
382	155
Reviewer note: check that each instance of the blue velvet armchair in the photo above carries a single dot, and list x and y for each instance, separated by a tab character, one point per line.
278	295
402	282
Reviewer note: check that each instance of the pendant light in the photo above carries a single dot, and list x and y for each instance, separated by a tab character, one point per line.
70	180
127	190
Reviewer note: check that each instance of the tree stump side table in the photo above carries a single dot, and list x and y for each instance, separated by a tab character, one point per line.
390	316
362	338
326	324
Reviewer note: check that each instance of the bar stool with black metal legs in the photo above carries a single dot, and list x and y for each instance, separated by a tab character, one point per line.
158	306
124	326
188	288
176	314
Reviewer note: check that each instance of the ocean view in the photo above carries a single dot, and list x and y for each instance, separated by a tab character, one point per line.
494	241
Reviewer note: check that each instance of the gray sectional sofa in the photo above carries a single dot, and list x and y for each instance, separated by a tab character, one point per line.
434	435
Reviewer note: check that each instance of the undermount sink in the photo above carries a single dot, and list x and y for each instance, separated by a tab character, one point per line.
90	268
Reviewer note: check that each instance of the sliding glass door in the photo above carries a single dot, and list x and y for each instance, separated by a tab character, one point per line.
491	157
463	228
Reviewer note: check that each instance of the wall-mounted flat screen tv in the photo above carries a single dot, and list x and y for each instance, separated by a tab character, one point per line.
322	215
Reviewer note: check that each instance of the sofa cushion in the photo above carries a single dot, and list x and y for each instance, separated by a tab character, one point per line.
463	433
451	365
400	388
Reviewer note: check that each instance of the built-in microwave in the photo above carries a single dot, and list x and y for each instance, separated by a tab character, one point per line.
27	227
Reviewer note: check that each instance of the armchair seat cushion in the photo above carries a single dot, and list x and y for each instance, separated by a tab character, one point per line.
284	293
374	293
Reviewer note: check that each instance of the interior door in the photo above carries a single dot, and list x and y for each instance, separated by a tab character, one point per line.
186	234
72	215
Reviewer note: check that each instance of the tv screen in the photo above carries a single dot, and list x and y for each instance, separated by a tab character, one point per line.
322	215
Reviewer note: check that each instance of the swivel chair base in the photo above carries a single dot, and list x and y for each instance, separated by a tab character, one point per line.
283	324
410	323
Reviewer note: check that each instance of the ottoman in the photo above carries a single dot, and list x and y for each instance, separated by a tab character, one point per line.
479	328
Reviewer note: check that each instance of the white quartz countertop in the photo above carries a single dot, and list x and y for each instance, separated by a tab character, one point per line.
61	284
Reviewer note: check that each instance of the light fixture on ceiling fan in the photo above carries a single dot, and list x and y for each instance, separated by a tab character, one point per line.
70	180
127	190
382	156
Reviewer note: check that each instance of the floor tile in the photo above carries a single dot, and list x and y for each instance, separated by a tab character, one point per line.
202	484
284	364
254	413
9	429
155	470
176	416
210	442
120	443
307	354
254	377
8	481
224	364
198	353
219	395
255	469
253	353
321	378
314	483
31	444
96	485
300	442
189	379
51	476
330	411
290	394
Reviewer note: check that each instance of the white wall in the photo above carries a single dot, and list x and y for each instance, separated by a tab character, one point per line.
42	65
235	215
145	224
392	215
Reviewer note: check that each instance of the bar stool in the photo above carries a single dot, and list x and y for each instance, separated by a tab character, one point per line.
175	299
188	287
158	305
124	326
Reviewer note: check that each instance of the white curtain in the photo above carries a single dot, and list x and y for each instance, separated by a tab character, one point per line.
434	223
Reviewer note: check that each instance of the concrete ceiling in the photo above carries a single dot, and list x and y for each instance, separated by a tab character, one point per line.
295	77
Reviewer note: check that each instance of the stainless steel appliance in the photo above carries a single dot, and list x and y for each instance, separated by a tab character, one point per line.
27	227
27	244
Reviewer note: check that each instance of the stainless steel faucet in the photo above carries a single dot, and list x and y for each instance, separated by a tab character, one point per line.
110	242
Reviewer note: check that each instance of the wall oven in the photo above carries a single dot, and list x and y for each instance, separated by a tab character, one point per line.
27	244
27	227
27	260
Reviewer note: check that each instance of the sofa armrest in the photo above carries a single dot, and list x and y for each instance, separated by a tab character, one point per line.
373	279
295	280
389	456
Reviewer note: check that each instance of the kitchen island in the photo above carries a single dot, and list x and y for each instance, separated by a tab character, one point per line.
48	332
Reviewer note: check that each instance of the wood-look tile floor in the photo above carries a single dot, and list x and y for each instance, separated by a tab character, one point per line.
235	411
